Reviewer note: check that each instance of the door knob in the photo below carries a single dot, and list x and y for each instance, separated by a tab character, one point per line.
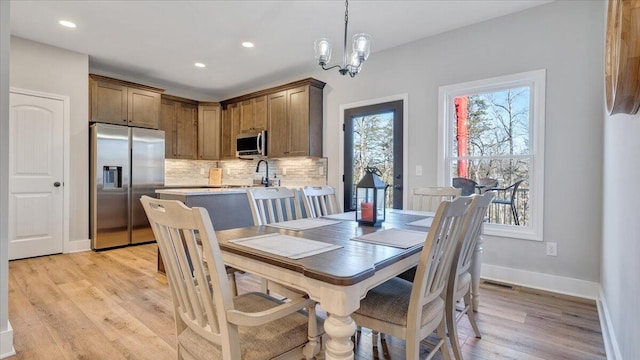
56	184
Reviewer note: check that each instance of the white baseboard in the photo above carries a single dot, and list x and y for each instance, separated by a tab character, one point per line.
535	280
6	342
77	246
608	335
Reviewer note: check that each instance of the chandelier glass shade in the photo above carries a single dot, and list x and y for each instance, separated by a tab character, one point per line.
352	63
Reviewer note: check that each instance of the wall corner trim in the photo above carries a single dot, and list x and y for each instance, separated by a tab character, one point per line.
77	246
6	342
608	335
535	280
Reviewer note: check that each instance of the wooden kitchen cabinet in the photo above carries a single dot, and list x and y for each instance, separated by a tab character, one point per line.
295	121
253	115
121	102
209	131
230	129
179	121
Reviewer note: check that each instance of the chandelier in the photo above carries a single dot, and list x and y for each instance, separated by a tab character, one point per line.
351	64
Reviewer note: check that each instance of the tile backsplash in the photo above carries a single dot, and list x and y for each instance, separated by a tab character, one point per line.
298	171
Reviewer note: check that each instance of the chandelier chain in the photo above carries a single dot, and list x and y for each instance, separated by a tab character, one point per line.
346	10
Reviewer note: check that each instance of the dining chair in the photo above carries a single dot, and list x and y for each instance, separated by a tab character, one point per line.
412	311
275	204
429	198
507	196
270	205
459	285
210	322
466	186
320	201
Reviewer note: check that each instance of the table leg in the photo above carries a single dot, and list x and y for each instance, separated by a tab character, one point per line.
476	265
339	329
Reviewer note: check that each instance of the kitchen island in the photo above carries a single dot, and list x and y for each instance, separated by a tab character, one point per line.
227	207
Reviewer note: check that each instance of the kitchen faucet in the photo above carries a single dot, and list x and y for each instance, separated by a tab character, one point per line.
265	180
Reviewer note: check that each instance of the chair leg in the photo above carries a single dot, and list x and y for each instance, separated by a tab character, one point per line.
453	328
232	283
312	348
514	211
374	338
442	335
472	316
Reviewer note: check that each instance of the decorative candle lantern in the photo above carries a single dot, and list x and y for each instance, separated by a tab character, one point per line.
371	193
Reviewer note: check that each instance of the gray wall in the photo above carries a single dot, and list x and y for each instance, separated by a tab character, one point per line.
621	231
41	67
566	38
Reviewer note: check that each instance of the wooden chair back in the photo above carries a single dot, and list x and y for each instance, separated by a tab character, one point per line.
473	221
429	198
269	205
434	265
320	201
194	295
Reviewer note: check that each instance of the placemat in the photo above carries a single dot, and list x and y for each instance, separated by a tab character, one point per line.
399	238
413	212
302	224
422	222
284	245
351	215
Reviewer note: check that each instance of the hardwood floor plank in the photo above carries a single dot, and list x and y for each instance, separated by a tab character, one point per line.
114	305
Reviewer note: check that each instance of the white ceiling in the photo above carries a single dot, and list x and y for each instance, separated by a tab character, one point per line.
161	40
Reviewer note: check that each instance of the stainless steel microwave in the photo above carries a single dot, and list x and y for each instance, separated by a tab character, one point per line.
251	145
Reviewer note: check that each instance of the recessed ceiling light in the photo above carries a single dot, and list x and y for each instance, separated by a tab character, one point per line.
247	44
67	23
200	65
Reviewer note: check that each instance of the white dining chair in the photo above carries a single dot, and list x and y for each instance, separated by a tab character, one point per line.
320	201
270	205
275	204
459	285
210	322
412	311
429	198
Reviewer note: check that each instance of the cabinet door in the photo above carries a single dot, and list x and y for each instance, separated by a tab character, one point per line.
260	113
208	132
278	135
168	115
298	119
186	139
143	108
108	102
230	128
246	116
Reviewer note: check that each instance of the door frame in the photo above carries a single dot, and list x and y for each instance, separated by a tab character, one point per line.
66	245
405	138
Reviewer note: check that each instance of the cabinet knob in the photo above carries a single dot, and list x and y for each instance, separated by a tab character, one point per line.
57	184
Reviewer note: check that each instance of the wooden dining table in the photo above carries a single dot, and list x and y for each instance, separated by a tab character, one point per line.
337	279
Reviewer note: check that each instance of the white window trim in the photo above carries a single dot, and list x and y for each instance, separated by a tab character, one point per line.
536	79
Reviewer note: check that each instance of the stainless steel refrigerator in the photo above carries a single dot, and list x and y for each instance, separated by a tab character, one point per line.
125	163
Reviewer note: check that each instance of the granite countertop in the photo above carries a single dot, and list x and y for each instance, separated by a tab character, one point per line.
201	191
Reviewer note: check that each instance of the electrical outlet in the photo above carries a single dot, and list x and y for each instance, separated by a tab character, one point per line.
228	171
284	171
418	170
201	171
320	170
552	249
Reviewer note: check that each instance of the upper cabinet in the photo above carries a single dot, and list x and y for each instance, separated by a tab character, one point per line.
295	121
124	103
180	125
291	114
253	114
209	131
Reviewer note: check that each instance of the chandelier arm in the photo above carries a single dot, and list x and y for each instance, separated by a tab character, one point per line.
332	67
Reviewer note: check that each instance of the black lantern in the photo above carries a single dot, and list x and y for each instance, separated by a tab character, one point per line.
371	194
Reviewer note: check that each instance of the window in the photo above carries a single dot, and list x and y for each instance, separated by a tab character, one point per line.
492	131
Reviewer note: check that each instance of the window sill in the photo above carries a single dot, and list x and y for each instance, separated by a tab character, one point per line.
512	231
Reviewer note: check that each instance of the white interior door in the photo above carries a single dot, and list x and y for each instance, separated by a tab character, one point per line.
35	176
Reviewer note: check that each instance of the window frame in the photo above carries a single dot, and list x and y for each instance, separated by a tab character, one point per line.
446	114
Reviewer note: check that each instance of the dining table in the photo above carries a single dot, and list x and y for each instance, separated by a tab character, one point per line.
337	278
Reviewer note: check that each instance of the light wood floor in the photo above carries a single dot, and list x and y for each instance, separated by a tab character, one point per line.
114	305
